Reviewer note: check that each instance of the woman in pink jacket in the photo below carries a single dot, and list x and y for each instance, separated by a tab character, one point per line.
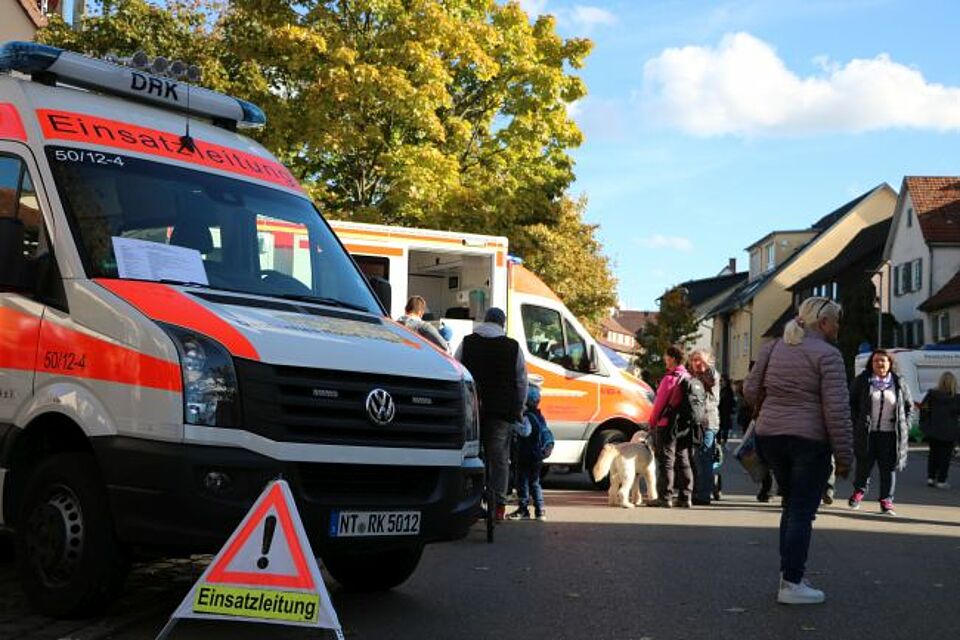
800	384
673	453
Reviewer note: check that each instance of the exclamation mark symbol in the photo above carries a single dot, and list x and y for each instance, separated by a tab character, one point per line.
269	526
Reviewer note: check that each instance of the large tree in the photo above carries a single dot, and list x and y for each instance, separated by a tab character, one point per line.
676	324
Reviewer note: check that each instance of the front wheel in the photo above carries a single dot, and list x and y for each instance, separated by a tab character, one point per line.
68	557
374	571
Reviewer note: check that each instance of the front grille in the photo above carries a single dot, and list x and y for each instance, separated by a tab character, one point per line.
357	483
295	404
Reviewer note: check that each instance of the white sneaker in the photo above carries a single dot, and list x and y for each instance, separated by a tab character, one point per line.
942	485
931	482
802	593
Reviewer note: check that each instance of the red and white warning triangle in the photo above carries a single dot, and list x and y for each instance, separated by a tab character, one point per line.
265	573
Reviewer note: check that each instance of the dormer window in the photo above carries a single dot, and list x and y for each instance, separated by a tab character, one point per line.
770	257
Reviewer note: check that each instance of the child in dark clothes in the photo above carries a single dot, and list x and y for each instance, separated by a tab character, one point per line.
532	450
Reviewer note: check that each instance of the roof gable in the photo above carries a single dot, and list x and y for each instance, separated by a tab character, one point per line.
936	203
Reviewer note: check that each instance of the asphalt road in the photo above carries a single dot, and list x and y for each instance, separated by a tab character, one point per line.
594	571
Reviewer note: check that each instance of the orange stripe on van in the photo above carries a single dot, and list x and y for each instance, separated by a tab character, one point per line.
11	126
28	344
82	127
67	352
163	303
19	333
370	250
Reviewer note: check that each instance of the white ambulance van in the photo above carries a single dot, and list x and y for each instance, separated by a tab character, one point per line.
159	364
587	400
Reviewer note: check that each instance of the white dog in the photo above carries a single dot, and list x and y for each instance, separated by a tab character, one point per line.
625	462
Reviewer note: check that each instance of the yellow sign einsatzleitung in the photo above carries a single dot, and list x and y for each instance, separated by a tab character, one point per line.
257	603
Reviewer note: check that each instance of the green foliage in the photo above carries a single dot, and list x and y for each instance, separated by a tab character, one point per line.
676	324
442	114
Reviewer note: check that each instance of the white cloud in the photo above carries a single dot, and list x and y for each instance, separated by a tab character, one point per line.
587	17
743	87
674	243
534	8
581	17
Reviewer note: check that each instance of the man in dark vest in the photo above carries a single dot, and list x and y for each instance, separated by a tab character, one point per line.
500	373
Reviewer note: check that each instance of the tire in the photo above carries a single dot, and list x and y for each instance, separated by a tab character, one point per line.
597	442
68	557
375	571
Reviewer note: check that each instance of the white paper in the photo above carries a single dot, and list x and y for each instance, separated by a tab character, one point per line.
144	260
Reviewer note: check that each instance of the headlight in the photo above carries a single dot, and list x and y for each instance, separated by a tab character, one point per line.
210	394
471	419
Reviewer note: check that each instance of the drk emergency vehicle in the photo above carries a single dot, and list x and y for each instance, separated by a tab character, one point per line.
586	399
160	361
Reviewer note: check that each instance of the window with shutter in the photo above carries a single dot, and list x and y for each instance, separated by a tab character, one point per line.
908	334
918	332
918	274
906	277
935	328
945	326
896	280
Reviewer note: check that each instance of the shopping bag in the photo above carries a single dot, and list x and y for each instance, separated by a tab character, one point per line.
749	456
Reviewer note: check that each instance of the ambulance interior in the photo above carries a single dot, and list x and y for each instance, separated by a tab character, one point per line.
456	286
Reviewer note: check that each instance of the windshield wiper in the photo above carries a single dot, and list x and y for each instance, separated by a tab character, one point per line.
331	302
183	283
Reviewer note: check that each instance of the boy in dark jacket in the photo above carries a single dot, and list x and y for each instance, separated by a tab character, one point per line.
532	450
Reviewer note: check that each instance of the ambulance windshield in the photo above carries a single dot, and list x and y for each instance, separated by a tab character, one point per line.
138	219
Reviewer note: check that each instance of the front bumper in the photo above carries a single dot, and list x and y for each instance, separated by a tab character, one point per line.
159	500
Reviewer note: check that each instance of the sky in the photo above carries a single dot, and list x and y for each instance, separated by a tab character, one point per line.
709	124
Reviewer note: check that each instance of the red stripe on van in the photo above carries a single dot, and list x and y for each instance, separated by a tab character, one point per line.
163	303
11	126
82	127
67	352
28	344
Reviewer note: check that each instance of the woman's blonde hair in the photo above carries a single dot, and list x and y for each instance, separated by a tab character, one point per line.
948	383
811	310
705	354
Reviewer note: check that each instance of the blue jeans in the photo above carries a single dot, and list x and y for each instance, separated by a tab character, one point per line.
801	467
528	481
703	466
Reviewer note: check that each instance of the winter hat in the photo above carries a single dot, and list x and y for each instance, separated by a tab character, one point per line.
496	316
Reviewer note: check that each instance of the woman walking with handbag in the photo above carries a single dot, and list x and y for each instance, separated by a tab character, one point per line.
941	428
800	384
881	410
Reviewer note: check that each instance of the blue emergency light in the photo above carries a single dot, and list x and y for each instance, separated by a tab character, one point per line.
78	70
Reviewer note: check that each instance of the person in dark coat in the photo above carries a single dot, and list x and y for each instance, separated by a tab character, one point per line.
726	407
941	428
880	408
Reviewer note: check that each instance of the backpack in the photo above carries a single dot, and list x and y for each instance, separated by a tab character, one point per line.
541	438
691	414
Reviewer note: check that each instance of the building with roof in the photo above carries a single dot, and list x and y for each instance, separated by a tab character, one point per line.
923	249
780	261
704	294
20	19
616	337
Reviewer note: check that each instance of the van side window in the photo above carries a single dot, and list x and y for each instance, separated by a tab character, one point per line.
22	222
552	338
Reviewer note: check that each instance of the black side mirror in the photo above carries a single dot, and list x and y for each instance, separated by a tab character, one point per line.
384	292
14	275
593	360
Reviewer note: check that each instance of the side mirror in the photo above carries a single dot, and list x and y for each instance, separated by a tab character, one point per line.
13	276
593	359
384	292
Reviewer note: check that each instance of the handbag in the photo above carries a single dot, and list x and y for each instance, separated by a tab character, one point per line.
749	455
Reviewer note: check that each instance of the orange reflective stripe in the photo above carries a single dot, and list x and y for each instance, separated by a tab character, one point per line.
81	127
67	352
371	250
165	304
11	126
19	333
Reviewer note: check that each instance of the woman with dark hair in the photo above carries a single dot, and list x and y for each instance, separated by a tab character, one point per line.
880	407
673	453
800	386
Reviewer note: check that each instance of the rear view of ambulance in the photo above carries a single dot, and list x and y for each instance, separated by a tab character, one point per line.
159	363
587	400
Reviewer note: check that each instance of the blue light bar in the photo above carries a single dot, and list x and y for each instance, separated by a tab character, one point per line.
100	75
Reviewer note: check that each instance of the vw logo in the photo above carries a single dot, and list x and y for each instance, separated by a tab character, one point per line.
380	407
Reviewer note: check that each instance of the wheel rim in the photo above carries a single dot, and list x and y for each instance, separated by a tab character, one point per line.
55	536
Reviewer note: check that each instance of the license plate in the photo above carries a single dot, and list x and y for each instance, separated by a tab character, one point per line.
347	524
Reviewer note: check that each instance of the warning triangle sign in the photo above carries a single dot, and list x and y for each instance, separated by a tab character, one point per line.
265	573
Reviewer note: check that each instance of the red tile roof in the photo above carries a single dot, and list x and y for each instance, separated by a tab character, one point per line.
633	321
948	296
611	324
936	202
